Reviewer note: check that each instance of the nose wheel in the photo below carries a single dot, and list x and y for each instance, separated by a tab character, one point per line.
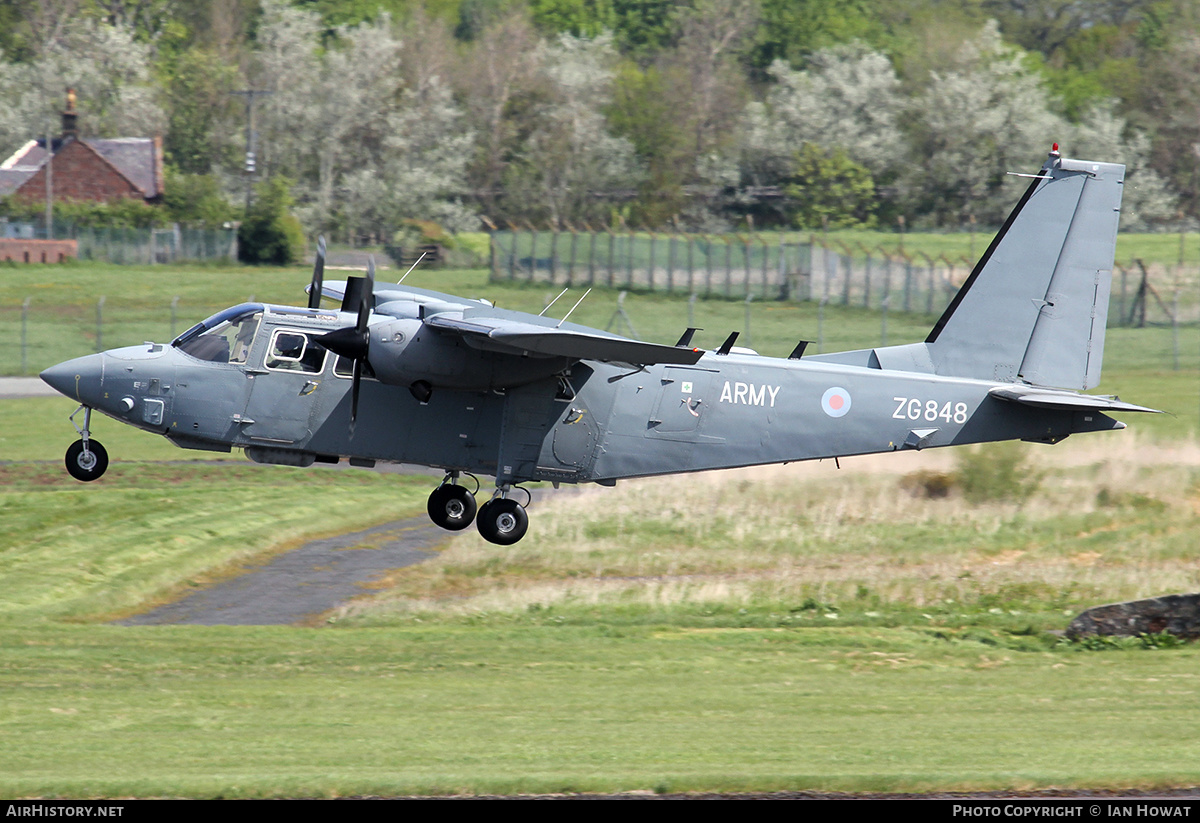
86	459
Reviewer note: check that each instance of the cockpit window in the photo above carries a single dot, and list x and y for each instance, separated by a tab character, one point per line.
224	337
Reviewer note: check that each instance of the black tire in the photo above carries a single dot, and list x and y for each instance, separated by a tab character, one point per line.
502	521
452	507
89	466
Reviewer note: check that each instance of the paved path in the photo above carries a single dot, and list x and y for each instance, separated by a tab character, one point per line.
25	387
304	583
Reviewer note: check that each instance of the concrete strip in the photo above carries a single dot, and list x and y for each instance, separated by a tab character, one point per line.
11	387
306	582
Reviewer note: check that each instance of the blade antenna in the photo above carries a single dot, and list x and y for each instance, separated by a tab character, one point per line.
573	308
318	277
413	266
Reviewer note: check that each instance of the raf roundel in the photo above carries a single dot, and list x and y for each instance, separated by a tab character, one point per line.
835	402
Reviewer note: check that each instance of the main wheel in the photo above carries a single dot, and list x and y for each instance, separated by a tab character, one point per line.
452	507
502	521
86	465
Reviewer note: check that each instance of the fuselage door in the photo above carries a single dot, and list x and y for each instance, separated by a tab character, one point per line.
283	391
683	403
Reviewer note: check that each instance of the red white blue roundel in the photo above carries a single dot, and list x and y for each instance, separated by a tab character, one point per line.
835	402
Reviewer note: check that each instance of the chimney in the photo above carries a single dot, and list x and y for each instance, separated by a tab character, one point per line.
69	127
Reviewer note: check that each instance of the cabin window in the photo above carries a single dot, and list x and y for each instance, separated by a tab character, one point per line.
294	351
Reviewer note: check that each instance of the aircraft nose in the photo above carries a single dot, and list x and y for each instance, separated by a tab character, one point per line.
78	379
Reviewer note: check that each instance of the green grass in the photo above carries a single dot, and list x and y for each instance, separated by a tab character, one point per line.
482	709
148	530
786	628
1162	248
793	627
63	311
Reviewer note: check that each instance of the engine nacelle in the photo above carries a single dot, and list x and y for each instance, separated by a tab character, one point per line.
405	351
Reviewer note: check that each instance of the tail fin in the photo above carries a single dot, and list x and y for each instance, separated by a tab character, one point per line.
1035	307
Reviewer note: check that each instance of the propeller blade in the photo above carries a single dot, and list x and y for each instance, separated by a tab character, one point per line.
314	291
367	297
354	383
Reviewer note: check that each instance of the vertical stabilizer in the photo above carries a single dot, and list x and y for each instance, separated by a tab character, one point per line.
1034	308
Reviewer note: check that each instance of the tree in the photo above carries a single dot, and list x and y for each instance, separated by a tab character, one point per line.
829	190
986	116
568	152
270	233
107	67
200	110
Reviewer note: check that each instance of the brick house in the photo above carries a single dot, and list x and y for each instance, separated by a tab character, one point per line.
88	169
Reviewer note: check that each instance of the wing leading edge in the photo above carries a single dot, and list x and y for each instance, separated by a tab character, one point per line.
520	338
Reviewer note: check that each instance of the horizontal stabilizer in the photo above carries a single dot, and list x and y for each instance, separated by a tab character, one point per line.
502	334
1066	400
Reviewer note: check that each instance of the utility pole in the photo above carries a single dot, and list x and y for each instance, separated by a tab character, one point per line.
251	165
49	187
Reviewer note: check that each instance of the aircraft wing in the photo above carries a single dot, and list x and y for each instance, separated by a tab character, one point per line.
1067	400
521	338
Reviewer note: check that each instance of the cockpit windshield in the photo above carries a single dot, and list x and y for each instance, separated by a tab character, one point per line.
225	337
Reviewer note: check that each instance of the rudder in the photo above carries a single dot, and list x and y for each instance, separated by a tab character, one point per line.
1034	308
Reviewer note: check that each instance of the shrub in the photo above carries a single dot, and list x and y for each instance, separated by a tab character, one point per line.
997	471
270	233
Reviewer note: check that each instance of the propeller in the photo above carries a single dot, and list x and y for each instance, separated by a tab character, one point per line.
314	291
354	342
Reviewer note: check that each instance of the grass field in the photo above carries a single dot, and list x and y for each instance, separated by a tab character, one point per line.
796	627
63	310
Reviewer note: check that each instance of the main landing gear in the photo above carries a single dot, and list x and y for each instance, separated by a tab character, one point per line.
86	458
500	520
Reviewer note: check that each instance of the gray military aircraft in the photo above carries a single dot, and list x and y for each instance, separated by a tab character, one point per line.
409	375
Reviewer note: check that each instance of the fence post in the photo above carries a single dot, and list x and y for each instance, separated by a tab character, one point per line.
766	260
886	287
908	276
691	271
883	309
728	267
867	261
512	255
653	259
553	253
749	297
591	258
821	324
533	262
745	263
571	261
708	265
631	242
672	242
100	324
24	335
612	250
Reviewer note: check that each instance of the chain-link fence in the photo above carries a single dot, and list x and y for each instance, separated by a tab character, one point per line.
737	266
134	246
708	265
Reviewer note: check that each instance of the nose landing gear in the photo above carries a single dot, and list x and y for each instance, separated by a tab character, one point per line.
86	459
